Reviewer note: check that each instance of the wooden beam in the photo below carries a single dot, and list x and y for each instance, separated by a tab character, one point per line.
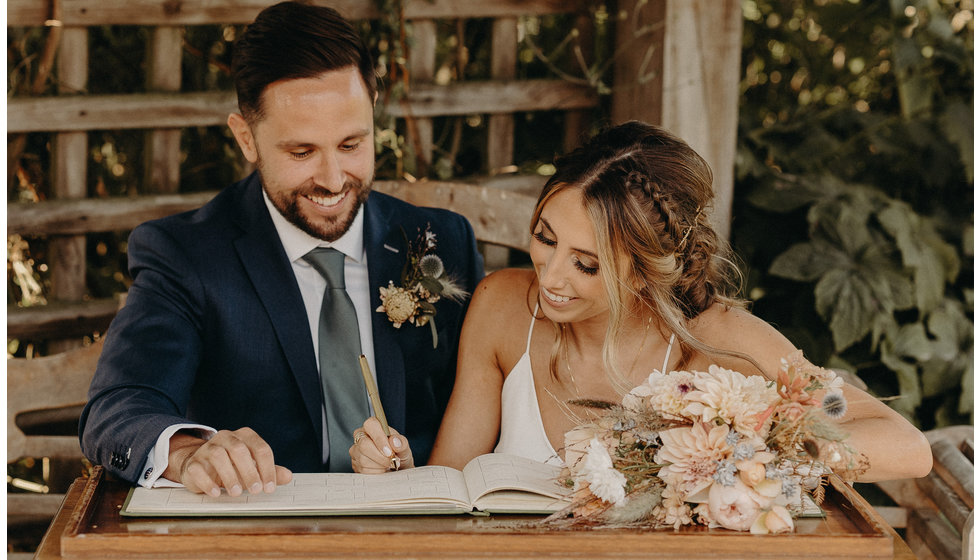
22	13
955	469
67	217
60	320
945	499
935	533
175	110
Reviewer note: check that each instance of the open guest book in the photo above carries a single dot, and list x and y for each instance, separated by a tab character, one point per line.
492	483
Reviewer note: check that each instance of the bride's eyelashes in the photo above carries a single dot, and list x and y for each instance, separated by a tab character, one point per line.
588	270
540	237
585	269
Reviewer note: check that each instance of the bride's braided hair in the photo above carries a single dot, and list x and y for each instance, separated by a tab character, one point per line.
647	194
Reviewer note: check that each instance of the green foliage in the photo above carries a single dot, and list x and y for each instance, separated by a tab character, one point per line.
856	143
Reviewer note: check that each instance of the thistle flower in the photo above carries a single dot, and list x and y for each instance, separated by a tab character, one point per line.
431	266
834	405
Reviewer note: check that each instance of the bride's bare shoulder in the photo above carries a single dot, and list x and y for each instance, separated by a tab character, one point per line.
736	329
504	290
500	313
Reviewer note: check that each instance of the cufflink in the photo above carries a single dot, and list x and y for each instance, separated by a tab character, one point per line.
147	474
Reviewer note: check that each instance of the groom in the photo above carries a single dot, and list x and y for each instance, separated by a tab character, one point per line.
211	373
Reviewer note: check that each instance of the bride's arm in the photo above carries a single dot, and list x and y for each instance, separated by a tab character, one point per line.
471	424
894	447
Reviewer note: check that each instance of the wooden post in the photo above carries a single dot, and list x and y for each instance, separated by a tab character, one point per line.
70	157
679	68
422	65
577	121
702	48
638	74
500	127
162	160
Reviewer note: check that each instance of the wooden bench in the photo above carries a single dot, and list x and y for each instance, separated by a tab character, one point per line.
938	508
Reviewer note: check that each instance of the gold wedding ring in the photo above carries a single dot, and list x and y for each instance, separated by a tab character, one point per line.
358	436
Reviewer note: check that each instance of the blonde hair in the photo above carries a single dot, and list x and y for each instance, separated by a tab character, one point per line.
647	195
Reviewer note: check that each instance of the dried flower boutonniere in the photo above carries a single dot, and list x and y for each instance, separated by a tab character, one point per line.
424	281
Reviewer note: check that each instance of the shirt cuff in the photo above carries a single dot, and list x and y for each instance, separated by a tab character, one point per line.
159	456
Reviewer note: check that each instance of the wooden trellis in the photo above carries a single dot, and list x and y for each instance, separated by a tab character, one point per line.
676	64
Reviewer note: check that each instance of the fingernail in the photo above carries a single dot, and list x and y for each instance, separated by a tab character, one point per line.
255	488
215	492
387	451
270	487
235	490
396	442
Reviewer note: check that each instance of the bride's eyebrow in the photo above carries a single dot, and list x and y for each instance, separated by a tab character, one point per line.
545	223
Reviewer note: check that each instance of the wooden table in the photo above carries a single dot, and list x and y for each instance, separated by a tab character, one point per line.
89	526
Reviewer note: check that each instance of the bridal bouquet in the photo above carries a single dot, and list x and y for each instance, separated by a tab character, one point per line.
714	448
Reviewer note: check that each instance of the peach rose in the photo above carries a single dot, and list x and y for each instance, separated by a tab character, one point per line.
735	507
776	520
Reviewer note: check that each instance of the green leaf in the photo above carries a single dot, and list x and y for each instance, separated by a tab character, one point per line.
950	329
957	125
922	251
912	342
806	262
910	393
431	284
966	387
846	302
785	193
938	377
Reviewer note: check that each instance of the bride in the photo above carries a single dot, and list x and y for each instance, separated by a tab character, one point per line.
628	277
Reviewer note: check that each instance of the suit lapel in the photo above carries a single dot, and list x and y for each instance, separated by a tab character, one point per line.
268	268
382	240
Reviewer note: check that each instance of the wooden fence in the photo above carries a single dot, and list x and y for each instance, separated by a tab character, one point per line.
676	64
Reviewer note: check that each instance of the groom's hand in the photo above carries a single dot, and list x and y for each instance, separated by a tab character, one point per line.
237	461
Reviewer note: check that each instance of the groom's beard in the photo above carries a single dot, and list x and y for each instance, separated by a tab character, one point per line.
321	227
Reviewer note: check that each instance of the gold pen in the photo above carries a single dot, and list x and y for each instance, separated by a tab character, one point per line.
379	411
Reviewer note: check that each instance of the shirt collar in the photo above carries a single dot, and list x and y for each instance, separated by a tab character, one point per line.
298	243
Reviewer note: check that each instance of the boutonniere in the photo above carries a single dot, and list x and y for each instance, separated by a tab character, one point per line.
424	281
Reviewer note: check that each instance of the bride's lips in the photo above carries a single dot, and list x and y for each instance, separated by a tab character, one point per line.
554	299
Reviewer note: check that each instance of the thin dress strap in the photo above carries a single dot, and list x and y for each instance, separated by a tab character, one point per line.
670	345
530	329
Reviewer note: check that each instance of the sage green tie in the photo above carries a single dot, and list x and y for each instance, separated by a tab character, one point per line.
344	394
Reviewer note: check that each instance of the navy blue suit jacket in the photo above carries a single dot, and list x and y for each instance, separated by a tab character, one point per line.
214	331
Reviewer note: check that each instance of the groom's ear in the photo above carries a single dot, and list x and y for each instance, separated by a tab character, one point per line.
243	135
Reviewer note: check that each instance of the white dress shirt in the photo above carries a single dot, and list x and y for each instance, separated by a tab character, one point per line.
297	243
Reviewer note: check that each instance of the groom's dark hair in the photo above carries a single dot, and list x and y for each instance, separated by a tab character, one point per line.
293	40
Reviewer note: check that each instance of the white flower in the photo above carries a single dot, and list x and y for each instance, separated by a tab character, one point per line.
605	482
776	520
694	454
735	507
734	398
664	392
